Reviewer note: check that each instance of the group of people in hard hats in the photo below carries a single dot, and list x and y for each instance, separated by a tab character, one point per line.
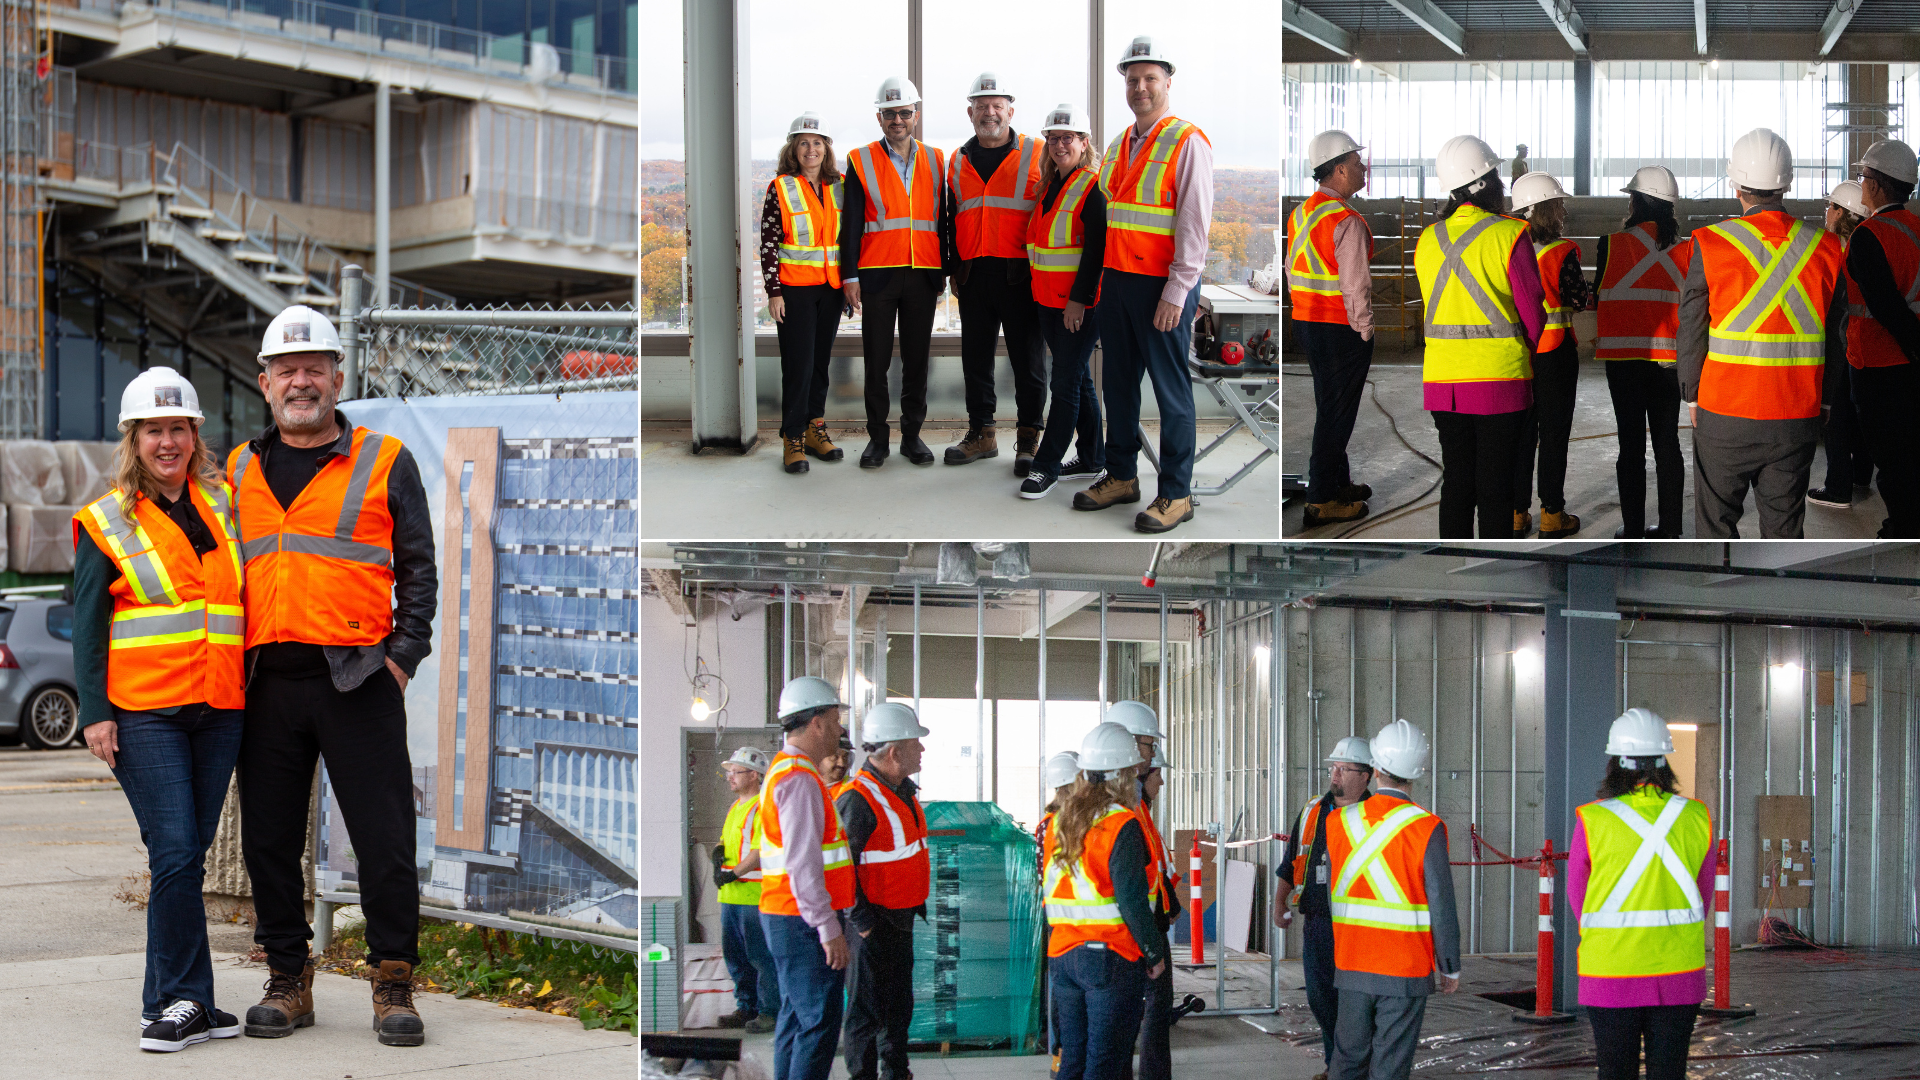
1772	331
1047	245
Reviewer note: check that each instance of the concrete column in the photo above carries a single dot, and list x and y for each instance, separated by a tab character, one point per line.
1582	126
1866	83
1578	689
382	191
719	223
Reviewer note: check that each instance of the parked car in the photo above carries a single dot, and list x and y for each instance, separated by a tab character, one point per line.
38	703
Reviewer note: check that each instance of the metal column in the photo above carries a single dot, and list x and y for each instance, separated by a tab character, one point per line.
1583	131
786	636
853	673
1220	820
916	650
1353	672
1579	670
1473	776
880	653
1873	822
1103	654
979	692
1165	724
1041	747
1096	71
719	167
382	192
352	289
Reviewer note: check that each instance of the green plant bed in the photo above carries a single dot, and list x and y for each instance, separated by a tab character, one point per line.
513	969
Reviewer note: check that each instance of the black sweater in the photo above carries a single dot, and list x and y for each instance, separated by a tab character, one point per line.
1867	265
856	817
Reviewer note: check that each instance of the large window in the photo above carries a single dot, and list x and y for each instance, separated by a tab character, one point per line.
949	769
663	187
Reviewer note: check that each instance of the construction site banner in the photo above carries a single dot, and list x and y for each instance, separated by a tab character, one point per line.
523	724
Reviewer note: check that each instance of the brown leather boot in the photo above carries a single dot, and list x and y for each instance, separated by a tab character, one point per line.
1554	526
1026	443
979	443
1523	523
819	443
1107	491
1163	514
394	1016
793	456
1330	513
288	1004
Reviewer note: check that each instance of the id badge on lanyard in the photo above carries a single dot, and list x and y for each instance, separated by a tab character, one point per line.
1320	871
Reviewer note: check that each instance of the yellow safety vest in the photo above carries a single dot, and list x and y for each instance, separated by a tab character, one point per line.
1643	913
1472	324
741	834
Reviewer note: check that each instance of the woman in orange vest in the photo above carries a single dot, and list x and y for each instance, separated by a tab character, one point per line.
1538	198
158	641
800	262
1103	944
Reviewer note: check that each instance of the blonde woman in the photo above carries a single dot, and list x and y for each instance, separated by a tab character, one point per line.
158	635
800	263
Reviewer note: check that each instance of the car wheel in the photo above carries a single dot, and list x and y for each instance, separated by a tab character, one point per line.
51	720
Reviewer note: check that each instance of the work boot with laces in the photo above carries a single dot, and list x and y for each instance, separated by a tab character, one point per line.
288	1004
1107	491
1026	443
793	454
394	1016
979	443
1163	514
819	443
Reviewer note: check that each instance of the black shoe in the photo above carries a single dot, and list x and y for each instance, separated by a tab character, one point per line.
1661	532
875	455
736	1018
225	1025
1828	496
1037	484
1080	470
1355	493
1623	533
183	1024
914	450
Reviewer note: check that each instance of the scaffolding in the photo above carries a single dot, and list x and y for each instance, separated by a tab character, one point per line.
20	223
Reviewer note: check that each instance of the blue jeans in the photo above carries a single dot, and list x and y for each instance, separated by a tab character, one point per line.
1098	998
1075	408
756	987
812	1000
1132	348
174	770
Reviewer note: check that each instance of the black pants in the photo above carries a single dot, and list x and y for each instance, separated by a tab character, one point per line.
879	1002
362	734
1886	399
1849	448
911	298
1340	361
1476	456
1646	404
1075	408
997	295
1156	1033
1618	1033
806	334
1316	958
1548	425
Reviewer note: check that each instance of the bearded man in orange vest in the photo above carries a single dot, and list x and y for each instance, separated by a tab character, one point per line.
340	593
887	836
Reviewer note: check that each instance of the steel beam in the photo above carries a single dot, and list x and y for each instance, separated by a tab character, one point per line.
1836	23
1579	677
382	193
1583	125
1314	28
1700	27
720	304
1435	22
1567	21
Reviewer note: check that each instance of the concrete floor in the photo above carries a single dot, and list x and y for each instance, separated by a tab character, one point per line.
1406	496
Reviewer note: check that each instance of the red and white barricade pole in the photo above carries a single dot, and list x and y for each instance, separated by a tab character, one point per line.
1195	922
1723	1006
1543	1012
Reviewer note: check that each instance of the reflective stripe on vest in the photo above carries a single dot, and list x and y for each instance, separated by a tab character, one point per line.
1054	239
896	234
340	545
809	251
1559	325
1733	338
987	224
1305	832
901	849
1626	289
1869	343
1140	198
1453	267
1638	315
776	892
1390	908
1653	845
1308	270
160	617
1072	896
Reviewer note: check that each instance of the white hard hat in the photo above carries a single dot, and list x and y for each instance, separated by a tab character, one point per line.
1329	145
1143	48
1893	157
748	757
807	694
299	329
1108	747
1062	768
896	92
987	84
1462	160
157	392
1067	116
1656	181
1159	759
1847	195
891	722
1353	750
807	123
1535	188
1401	749
1136	717
1760	161
1639	733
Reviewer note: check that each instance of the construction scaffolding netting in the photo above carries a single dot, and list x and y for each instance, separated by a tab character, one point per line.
425	352
976	973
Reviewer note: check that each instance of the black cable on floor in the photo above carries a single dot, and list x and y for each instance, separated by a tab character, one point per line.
1373	393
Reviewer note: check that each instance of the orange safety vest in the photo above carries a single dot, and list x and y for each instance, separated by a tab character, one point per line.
1054	239
1868	342
893	868
1313	267
992	215
1080	901
178	633
1639	310
809	231
902	228
834	791
1378	848
1140	196
776	892
1156	857
1770	280
1304	835
321	570
1559	329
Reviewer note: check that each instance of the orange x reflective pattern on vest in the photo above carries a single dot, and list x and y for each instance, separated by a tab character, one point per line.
1639	312
991	216
809	231
1313	266
1140	193
836	858
1054	239
1377	849
1868	342
893	868
1080	901
1770	280
902	227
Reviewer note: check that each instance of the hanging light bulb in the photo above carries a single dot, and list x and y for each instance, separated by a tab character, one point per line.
701	710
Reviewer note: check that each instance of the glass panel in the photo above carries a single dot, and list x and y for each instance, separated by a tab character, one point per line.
78	412
121	362
1019	758
211	384
60	622
249	411
663	154
78	314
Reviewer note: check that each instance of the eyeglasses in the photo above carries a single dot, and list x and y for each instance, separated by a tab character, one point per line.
897	114
1063	136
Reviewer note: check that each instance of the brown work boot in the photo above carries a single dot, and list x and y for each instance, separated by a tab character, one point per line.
288	1004
819	443
1105	492
1554	526
793	457
1523	523
1332	512
394	1016
979	443
1026	443
1163	514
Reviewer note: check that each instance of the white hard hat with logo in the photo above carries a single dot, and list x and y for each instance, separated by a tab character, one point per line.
807	123
1143	48
299	329
1329	145
1893	157
1352	750
1136	717
1655	181
748	757
1108	747
987	84
1062	768
1462	160
1535	188
1067	117
897	92
1639	733
891	722
1400	749
807	694
158	392
1847	195
1760	161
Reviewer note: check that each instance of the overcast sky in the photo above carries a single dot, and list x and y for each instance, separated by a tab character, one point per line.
831	60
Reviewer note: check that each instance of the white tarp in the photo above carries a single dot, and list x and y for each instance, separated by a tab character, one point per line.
40	539
87	467
30	475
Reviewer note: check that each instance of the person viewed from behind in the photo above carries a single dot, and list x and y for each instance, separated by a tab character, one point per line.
891	261
340	593
1066	247
1637	278
1883	334
158	637
1762	327
1639	875
1156	1029
1484	315
736	876
1539	198
1061	770
1306	874
1329	249
1849	461
1158	179
1102	942
800	263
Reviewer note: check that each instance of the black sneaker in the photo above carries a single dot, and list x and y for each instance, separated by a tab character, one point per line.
1080	470
1839	500
1037	484
183	1024
225	1025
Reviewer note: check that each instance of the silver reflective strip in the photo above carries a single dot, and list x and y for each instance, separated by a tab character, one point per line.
1117	212
1654	844
1001	202
230	625
141	558
1778	350
240	464
893	855
1360	910
1654	257
1741	233
1623	920
1453	265
972	204
1859	311
258	546
1157	156
1053	259
1775	286
789	253
139	626
1469	333
1067	210
329	546
1658	296
364	458
1560	318
796	201
1070	913
1636	343
1024	176
1301	241
1913	287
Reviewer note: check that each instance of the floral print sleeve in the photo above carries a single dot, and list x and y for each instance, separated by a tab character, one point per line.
770	242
